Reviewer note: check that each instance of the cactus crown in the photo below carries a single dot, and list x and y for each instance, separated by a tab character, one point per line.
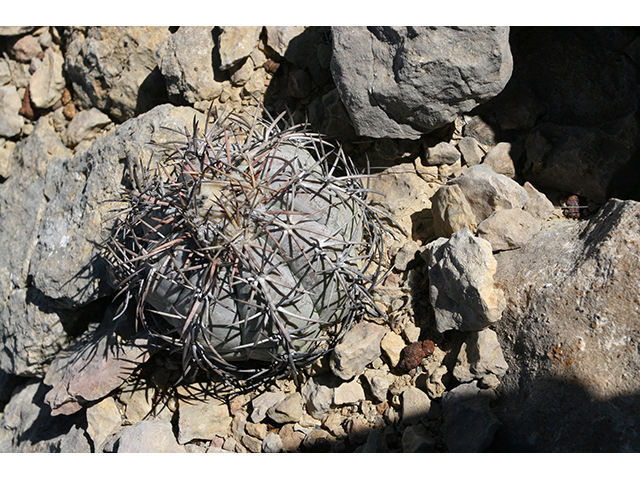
250	249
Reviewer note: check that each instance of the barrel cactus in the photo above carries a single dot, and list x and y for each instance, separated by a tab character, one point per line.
250	248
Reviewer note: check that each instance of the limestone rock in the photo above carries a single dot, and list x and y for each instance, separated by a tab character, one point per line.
47	83
400	82
14	31
570	331
202	419
500	161
462	290
480	356
392	344
451	211
103	420
442	154
318	397
508	229
538	204
378	384
115	69
348	393
471	151
272	443
415	405
236	44
288	410
263	402
11	122
5	72
24	48
278	38
185	61
85	125
358	348
148	436
469	423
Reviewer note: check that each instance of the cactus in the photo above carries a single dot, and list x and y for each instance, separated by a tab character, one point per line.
250	249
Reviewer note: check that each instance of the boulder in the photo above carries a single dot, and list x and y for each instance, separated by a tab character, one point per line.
115	69
401	82
570	335
461	285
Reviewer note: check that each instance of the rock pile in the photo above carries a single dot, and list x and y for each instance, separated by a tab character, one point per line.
509	327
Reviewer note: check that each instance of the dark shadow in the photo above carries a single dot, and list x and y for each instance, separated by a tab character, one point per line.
152	92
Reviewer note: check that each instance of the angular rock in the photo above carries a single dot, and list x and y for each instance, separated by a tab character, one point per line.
23	49
442	154
488	191
469	423
348	393
272	443
202	419
378	384
47	83
14	31
375	443
5	72
451	211
358	348
415	405
500	161
103	420
288	410
263	402
570	332
508	229
417	439
462	290
236	44
148	436
392	344
185	60
403	82
11	122
471	151
318	398
85	125
479	357
115	69
538	204
278	38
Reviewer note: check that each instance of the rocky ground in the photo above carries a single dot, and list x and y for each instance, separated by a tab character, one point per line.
508	159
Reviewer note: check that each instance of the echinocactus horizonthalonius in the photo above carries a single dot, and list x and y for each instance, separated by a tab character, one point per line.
250	249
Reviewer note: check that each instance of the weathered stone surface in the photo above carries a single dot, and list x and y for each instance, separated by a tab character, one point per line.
358	348
417	439
288	410
5	72
538	204
451	211
148	436
469	423
15	31
375	443
24	48
570	331
442	154
11	122
76	221
103	420
278	38
47	83
378	384
85	125
471	152
236	44
263	402
415	405
500	161
318	397
461	289
402	82
508	229
202	419
185	60
479	357
392	344
272	443
115	70
488	191
348	393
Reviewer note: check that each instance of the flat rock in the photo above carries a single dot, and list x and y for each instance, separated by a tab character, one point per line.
462	290
471	152
202	419
401	82
85	125
442	154
278	38
103	420
348	393
415	405
148	436
358	348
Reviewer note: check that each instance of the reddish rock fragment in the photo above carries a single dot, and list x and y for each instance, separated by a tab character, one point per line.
26	110
414	353
572	209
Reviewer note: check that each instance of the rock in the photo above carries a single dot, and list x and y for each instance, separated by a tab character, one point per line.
420	81
538	204
47	83
252	444
115	69
263	402
236	44
392	344
288	410
375	443
479	357
357	430
5	72
358	348
442	154
318	397
91	367
85	125
103	420
10	102
415	405
291	439
257	430
570	332
148	436
67	263
417	439
278	38
435	384
15	31
185	61
24	48
272	443
508	229
406	255
471	151
461	289
378	384
469	424
500	161
488	191
348	393
451	211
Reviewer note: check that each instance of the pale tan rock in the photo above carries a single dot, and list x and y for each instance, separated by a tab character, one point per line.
508	229
11	122
202	419
471	152
392	344
47	83
415	405
288	410
25	48
103	420
278	38
442	154
359	347
538	204
85	125
500	161
236	43
451	211
348	393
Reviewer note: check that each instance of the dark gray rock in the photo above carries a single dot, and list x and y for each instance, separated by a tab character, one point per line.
403	82
570	335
